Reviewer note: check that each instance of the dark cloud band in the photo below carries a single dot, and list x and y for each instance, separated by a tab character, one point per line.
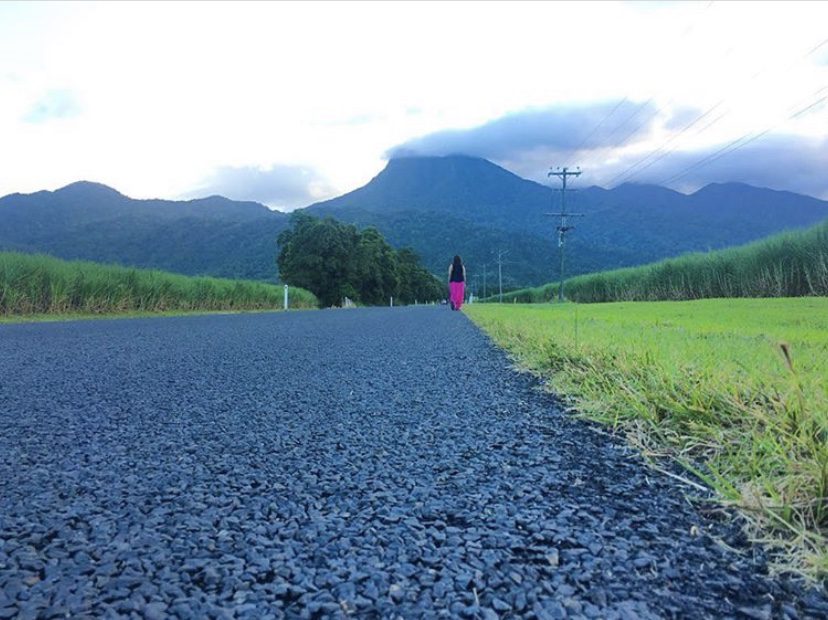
790	162
528	143
559	128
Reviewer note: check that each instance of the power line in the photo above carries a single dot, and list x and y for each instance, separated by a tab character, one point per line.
635	113
641	124
631	171
743	141
734	145
594	130
813	105
816	47
690	27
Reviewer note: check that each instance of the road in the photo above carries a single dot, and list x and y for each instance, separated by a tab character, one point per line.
371	462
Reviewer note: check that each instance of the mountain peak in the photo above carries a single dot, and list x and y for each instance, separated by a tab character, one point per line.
730	185
735	187
436	163
429	172
89	187
645	187
461	184
413	157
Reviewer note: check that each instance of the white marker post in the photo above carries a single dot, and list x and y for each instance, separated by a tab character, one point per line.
286	296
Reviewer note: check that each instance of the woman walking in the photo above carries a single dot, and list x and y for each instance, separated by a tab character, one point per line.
457	283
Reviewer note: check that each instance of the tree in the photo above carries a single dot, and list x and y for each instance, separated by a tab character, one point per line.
375	268
335	260
317	254
415	282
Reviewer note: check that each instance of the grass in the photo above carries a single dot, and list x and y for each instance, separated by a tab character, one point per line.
791	264
734	389
40	285
80	316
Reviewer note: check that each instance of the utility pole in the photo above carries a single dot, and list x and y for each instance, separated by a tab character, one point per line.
484	281
563	174
500	255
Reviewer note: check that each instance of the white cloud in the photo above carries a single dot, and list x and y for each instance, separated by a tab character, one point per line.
283	187
55	104
170	92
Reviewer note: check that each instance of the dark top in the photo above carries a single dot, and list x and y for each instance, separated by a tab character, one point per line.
456	274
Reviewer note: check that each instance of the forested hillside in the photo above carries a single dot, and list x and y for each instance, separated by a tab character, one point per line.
439	206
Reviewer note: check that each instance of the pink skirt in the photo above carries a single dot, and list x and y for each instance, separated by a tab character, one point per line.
457	291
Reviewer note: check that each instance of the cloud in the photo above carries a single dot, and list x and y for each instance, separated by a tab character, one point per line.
353	120
682	117
284	187
820	53
529	142
560	128
55	104
778	161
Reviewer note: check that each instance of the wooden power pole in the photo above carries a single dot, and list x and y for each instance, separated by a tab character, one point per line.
500	255
563	174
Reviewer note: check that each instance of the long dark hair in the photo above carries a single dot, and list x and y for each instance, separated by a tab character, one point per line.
456	265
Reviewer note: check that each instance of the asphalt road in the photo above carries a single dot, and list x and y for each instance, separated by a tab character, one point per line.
372	462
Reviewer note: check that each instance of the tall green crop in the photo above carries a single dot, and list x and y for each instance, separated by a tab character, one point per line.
793	264
37	284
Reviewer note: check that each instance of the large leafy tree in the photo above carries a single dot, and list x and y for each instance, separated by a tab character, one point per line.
335	260
317	254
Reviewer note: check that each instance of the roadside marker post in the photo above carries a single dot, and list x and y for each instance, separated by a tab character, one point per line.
286	296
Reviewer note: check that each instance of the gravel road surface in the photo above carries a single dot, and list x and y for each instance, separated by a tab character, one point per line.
373	462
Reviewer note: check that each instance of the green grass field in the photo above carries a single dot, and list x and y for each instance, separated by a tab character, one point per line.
41	285
735	389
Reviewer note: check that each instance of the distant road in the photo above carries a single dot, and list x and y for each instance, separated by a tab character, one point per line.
376	462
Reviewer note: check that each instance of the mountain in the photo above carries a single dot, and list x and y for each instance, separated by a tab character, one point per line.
91	221
440	206
466	205
469	188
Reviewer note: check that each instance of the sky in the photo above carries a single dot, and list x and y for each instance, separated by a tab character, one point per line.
291	103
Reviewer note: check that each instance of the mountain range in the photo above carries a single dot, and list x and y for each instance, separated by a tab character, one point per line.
440	206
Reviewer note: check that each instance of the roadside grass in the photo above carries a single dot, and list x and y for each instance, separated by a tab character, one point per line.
42	285
79	316
735	390
790	264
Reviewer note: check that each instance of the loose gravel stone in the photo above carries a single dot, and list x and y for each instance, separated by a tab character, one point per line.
374	462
